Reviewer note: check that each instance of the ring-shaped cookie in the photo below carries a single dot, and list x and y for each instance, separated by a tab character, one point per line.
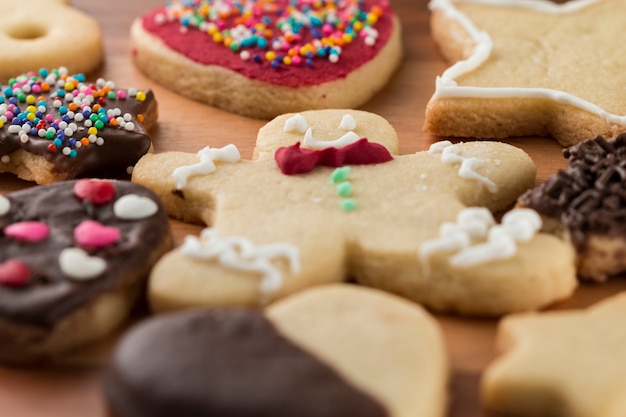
43	33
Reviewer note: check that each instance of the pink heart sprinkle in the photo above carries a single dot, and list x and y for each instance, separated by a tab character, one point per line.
14	273
99	192
92	234
28	231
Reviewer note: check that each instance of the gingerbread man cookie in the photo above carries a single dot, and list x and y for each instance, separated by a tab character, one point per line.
74	257
331	351
562	79
325	200
261	60
55	125
561	363
47	34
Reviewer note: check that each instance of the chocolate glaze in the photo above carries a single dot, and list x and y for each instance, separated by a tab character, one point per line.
50	295
227	363
121	149
588	197
199	47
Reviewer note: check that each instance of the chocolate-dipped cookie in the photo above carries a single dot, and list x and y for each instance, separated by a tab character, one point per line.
589	200
74	256
56	126
332	351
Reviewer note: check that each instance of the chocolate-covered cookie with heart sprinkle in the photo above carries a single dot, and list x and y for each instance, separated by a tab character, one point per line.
331	351
56	126
74	256
327	198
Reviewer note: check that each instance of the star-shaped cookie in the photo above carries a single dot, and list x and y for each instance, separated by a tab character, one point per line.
529	68
565	363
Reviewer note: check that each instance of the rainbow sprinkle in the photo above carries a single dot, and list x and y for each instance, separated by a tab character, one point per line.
287	32
63	109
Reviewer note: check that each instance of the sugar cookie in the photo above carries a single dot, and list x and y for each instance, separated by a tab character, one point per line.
47	34
74	258
561	79
56	126
561	363
332	351
281	224
262	60
588	200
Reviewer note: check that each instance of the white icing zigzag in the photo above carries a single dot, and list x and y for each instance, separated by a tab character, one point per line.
519	225
228	153
241	254
450	154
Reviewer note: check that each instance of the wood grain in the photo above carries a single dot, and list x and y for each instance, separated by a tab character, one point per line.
187	126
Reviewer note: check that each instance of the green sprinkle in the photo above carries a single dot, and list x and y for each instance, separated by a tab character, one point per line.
339	175
344	189
348	204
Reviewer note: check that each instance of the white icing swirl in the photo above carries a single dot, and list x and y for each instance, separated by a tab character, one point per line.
519	225
446	85
450	154
5	205
208	156
241	254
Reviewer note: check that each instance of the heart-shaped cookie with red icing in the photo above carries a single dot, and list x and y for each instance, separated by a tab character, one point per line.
70	250
262	59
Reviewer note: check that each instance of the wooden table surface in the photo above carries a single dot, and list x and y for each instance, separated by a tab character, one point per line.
187	126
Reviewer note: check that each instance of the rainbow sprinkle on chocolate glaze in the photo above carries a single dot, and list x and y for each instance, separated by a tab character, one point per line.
60	115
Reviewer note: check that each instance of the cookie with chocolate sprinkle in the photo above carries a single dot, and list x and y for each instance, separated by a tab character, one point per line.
589	199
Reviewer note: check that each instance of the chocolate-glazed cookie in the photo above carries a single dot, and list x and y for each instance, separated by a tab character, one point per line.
228	363
331	351
56	126
74	256
589	200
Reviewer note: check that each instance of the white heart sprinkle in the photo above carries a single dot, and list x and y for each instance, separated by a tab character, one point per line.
133	207
77	264
5	205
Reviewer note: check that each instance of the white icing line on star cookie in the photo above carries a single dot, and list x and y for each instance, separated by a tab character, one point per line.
450	155
208	156
134	207
519	225
5	205
241	254
77	264
446	86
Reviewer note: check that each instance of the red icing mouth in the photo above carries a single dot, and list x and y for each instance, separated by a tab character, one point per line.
294	160
266	53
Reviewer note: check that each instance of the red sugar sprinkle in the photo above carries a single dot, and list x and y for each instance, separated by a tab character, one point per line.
14	273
